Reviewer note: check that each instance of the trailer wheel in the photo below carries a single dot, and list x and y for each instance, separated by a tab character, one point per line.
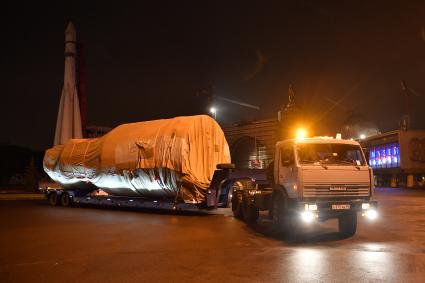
65	199
249	211
347	224
237	204
53	198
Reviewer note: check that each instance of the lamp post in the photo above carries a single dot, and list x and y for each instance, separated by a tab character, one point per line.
213	112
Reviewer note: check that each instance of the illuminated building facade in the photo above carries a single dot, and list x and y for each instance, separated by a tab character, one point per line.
397	158
385	156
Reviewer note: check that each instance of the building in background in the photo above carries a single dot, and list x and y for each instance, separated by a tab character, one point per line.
252	144
397	158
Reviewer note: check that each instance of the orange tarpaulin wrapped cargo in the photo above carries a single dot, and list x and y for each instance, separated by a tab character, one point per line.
160	158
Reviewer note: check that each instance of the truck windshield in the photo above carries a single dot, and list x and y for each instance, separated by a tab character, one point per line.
320	153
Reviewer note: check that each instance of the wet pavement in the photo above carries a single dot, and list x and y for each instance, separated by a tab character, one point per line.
39	243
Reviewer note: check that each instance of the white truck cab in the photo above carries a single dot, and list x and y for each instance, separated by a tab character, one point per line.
314	179
322	167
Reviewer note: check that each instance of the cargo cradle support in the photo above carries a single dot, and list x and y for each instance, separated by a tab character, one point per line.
220	177
117	201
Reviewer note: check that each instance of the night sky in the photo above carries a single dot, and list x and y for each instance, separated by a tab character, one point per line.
146	60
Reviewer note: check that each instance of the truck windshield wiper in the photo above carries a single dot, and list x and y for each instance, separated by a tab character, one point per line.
349	162
315	162
323	165
307	161
345	162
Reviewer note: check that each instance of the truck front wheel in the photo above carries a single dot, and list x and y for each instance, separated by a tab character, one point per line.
347	224
279	217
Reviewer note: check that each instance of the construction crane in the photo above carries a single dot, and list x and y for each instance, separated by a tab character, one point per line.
240	103
207	96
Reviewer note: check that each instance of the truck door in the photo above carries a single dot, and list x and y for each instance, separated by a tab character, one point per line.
287	171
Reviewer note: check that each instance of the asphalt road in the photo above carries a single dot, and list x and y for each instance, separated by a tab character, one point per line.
39	243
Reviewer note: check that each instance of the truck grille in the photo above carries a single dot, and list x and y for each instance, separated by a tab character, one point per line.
336	190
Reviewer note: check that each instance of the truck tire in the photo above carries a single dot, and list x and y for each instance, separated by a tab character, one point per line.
237	204
249	211
53	199
347	224
282	219
279	219
65	199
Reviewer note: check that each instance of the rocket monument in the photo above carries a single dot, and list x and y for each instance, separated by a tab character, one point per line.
68	123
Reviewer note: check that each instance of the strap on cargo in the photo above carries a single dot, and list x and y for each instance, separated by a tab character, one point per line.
84	159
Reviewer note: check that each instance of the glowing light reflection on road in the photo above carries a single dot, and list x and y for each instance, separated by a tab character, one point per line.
310	264
375	261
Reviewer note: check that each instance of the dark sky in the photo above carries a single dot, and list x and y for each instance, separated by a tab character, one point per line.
146	60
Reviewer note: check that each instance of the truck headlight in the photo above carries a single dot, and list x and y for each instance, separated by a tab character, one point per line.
371	214
308	216
310	206
365	205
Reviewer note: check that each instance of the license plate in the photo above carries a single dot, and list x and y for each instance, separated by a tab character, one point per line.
340	206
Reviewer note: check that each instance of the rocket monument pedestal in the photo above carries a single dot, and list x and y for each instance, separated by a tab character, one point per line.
68	123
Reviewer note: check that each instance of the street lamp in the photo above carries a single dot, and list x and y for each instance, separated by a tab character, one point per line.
213	112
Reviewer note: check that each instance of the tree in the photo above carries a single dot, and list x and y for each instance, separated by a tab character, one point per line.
31	176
